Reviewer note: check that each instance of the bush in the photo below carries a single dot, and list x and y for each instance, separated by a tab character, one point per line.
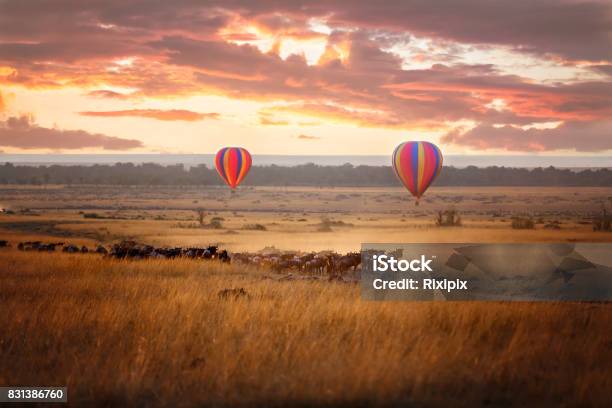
214	224
324	228
327	222
555	225
522	223
254	227
602	222
448	218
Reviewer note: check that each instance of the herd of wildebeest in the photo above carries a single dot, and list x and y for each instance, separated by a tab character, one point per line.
325	263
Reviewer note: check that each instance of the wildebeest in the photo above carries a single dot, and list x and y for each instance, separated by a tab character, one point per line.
28	245
319	264
71	249
168	253
209	252
134	250
313	263
322	263
131	249
38	246
101	250
224	256
347	262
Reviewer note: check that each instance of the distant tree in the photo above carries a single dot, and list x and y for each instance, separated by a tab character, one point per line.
309	174
201	216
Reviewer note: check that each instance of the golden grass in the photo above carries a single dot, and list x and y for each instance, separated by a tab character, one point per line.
166	216
155	333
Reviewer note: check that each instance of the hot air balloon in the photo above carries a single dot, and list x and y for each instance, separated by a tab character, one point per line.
233	164
417	164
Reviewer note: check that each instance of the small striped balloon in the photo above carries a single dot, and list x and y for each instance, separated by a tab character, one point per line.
417	164
233	164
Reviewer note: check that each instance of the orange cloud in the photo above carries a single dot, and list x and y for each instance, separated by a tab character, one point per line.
267	119
361	77
359	117
166	115
270	122
308	137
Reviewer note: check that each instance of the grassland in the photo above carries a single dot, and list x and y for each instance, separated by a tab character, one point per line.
156	333
296	218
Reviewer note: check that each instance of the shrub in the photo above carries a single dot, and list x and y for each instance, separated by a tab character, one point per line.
334	223
448	218
522	223
214	224
254	227
602	222
556	225
324	228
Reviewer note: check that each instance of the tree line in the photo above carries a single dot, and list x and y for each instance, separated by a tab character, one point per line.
346	175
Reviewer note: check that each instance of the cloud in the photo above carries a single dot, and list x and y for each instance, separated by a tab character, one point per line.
605	69
578	136
271	122
369	118
373	80
103	93
577	30
2	103
308	137
362	78
166	115
21	132
267	119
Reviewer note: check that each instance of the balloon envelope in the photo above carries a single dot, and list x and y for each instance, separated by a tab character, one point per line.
417	164
233	164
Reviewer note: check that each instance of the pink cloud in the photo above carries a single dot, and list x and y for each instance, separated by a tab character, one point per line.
181	48
22	132
578	136
102	93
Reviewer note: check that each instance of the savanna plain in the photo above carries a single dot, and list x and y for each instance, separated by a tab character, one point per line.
160	332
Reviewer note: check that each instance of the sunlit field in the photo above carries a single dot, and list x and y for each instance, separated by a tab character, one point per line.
157	333
164	332
299	219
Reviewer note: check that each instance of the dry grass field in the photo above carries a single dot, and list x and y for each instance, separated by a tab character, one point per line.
156	332
297	218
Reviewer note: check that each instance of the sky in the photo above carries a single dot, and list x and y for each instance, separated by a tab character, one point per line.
347	77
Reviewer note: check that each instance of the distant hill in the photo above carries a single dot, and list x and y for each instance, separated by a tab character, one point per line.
302	175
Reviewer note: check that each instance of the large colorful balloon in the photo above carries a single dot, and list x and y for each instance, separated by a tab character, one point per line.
233	164
417	164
